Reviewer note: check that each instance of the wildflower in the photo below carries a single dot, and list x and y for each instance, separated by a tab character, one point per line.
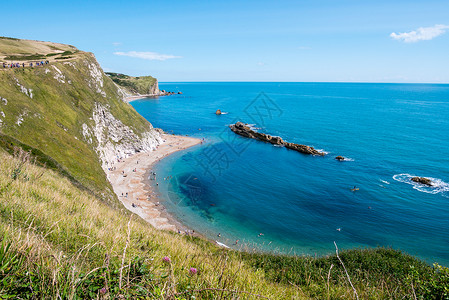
193	271
166	259
103	291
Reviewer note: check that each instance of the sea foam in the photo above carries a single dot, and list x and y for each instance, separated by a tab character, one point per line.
438	185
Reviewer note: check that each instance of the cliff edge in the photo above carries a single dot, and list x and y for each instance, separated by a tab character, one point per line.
56	101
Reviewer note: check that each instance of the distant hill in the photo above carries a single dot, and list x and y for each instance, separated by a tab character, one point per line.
143	85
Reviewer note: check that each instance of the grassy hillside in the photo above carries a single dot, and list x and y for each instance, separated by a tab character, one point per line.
57	241
135	85
45	108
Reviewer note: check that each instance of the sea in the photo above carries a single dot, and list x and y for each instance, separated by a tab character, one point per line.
251	195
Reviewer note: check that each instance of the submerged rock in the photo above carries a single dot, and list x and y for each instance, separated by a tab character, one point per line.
218	112
422	180
244	130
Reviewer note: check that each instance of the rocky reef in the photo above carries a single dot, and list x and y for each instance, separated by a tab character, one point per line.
422	180
244	130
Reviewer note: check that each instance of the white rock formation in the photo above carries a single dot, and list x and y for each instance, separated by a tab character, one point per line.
20	118
28	92
2	114
122	92
96	77
114	139
58	75
72	64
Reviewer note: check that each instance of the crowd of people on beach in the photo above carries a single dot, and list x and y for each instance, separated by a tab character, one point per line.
23	65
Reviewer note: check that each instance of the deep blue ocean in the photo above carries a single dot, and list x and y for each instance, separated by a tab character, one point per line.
240	188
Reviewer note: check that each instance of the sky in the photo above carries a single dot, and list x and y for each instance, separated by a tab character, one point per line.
299	41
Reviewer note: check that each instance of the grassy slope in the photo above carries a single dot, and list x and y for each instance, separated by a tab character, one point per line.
54	116
140	85
68	244
64	243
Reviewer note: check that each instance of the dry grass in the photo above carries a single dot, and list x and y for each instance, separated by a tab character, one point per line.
64	244
75	246
10	46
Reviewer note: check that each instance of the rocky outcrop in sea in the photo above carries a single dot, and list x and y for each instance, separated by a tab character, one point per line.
244	130
422	180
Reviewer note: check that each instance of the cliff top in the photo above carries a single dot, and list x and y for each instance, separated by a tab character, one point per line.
17	50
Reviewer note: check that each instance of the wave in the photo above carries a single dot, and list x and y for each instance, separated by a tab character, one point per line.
321	150
438	185
384	181
346	158
254	127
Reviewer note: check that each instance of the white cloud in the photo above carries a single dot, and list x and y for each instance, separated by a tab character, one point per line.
261	64
147	55
421	34
116	44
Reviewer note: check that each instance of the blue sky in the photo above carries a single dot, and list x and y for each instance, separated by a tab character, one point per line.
347	40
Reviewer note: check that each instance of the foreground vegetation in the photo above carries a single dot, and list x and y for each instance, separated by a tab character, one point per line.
58	241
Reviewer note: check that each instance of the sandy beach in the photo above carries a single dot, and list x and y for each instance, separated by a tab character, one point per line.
133	98
137	97
129	179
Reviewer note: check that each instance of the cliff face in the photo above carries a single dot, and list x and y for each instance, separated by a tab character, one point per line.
71	111
115	139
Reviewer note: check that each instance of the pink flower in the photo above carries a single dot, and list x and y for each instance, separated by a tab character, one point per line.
166	259
193	271
103	291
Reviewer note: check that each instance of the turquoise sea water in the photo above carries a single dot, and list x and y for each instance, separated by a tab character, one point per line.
240	187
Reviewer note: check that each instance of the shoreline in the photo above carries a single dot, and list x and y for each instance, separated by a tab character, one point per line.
137	97
133	98
130	179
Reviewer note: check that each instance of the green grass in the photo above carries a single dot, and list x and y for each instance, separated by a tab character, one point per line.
52	54
25	57
379	273
57	241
